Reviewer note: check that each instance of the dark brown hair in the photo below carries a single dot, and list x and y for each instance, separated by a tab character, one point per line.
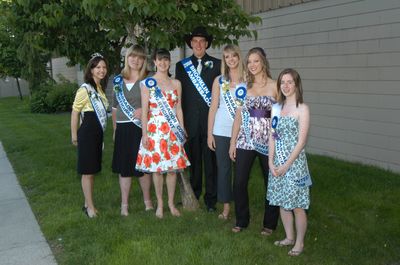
297	81
88	77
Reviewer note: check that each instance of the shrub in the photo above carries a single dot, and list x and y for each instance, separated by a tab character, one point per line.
61	97
53	98
38	100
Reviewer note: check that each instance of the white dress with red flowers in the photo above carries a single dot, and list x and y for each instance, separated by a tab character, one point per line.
164	153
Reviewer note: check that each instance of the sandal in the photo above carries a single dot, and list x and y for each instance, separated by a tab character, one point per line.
285	242
266	231
295	253
174	211
223	216
91	213
237	229
159	212
148	205
124	210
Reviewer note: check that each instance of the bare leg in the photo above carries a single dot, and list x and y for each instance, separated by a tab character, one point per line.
171	184
158	186
287	221
125	186
301	228
87	188
145	184
225	213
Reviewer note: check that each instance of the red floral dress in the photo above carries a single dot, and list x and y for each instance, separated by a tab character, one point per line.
164	153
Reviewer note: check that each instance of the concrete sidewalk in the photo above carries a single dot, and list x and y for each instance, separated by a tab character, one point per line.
21	240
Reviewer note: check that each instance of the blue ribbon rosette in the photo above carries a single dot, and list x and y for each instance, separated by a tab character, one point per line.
118	80
240	94
274	124
150	82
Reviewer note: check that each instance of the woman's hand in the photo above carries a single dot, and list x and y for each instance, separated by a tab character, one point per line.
145	140
281	170
211	142
272	168
74	141
232	151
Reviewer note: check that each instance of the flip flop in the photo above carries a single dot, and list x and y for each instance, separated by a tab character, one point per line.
284	243
237	229
266	231
294	253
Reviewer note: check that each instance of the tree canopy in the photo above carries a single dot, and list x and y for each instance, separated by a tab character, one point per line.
77	28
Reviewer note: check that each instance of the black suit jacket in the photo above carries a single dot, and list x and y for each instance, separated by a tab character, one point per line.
195	109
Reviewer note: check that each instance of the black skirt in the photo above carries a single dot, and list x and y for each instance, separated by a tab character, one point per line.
90	145
126	147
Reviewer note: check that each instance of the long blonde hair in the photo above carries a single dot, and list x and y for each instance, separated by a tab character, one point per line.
224	67
265	65
139	51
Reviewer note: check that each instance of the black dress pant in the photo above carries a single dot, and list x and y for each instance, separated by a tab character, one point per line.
244	162
197	150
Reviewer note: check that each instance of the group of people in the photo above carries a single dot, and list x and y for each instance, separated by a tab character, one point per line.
213	112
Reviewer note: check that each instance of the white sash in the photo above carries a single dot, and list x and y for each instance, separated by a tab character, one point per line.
279	147
126	108
197	81
97	104
165	108
230	103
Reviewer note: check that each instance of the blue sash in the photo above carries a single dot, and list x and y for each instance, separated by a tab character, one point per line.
259	147
97	104
197	81
165	108
126	108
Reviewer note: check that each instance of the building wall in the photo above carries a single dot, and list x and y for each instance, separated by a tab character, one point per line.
258	6
9	88
59	68
348	55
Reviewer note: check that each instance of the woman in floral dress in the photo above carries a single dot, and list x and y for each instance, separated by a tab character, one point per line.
161	151
289	178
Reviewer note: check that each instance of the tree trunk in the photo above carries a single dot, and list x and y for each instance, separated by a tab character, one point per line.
19	88
189	200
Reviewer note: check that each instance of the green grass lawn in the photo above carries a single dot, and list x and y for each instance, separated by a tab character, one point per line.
354	216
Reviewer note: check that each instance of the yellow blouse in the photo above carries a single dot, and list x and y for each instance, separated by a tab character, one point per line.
82	102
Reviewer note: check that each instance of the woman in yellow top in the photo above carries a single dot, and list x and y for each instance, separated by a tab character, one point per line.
90	105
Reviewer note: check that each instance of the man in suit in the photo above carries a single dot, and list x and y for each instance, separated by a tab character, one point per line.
195	112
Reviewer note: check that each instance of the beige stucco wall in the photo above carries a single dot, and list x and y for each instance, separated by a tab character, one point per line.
348	55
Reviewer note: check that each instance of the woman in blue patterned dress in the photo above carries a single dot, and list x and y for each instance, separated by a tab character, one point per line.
250	139
289	178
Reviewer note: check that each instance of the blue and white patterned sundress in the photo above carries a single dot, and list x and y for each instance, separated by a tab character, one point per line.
289	191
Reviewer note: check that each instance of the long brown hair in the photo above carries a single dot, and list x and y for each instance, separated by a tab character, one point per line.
297	81
88	76
265	65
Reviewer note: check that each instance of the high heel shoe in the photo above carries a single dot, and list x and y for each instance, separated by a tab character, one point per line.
148	205
124	210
